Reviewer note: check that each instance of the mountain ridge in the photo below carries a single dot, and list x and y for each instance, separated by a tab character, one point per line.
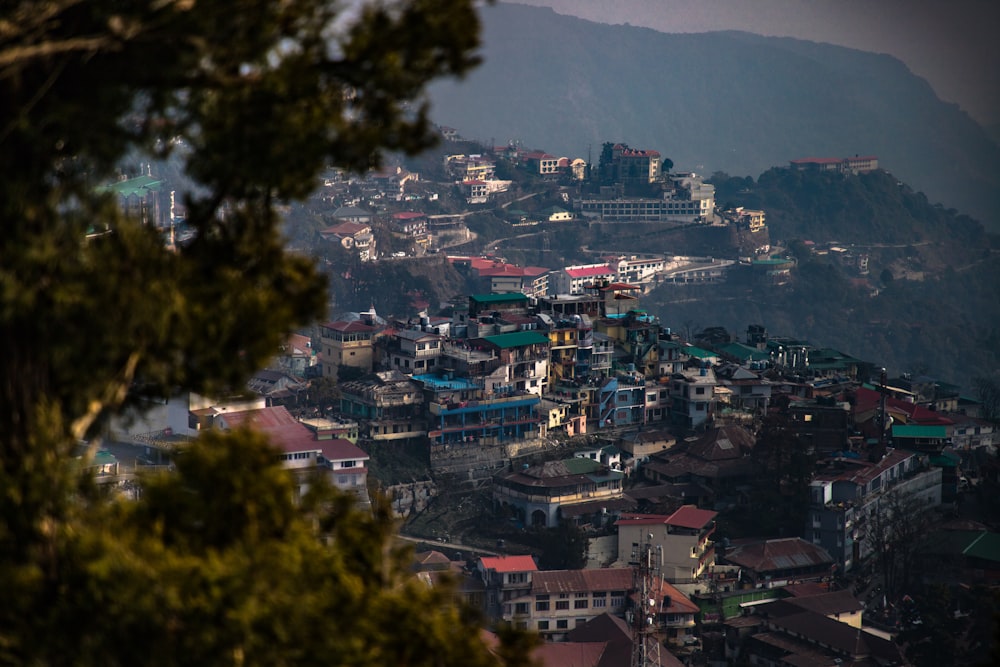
728	101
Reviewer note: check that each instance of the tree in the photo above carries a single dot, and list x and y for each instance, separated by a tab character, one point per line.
894	529
255	98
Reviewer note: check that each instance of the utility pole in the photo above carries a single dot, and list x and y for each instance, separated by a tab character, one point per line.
645	577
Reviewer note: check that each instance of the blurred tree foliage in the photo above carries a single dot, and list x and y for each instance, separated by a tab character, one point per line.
215	565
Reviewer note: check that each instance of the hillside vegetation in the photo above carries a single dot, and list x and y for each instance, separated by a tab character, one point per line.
721	101
938	313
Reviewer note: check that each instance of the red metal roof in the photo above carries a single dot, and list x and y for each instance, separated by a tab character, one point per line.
578	581
690	516
509	563
339	449
349	327
589	271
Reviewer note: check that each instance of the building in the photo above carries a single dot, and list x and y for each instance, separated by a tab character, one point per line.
346	344
411	351
387	405
353	236
344	464
633	166
541	163
683	539
846	493
778	562
534	495
854	165
575	279
409	224
505	578
560	600
692	395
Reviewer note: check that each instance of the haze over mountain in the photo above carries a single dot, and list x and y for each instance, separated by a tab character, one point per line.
727	101
951	44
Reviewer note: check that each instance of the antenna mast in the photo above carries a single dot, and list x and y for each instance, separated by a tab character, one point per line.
645	617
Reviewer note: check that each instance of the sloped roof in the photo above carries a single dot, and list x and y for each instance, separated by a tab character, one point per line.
781	554
689	516
575	654
828	603
349	327
517	339
590	271
572	581
509	297
726	442
509	563
339	449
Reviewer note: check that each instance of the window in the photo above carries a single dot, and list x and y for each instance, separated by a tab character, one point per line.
349	464
562	625
600	602
541	606
521	608
543	625
580	604
699	391
617	598
562	604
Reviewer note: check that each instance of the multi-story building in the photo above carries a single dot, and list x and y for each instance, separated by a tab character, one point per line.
692	392
637	269
492	418
559	600
541	163
856	165
575	279
622	401
848	492
683	540
523	358
353	236
411	351
535	495
342	461
346	344
633	166
409	223
388	406
505	578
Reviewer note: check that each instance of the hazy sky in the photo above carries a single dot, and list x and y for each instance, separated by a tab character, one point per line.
954	44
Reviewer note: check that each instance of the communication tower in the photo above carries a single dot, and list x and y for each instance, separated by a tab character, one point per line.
646	560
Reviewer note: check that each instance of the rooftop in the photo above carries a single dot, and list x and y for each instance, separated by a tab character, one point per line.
509	563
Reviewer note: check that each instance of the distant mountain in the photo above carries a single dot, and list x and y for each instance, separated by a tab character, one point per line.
728	101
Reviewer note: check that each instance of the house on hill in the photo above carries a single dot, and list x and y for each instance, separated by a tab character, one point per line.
343	462
536	494
779	562
683	539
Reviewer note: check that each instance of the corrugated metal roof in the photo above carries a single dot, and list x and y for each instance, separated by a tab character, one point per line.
578	581
509	563
518	339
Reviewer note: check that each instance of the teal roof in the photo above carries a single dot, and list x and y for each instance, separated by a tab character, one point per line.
986	547
519	339
140	185
508	297
698	352
581	466
915	431
744	352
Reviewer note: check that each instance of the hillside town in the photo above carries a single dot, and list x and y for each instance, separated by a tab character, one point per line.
736	497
